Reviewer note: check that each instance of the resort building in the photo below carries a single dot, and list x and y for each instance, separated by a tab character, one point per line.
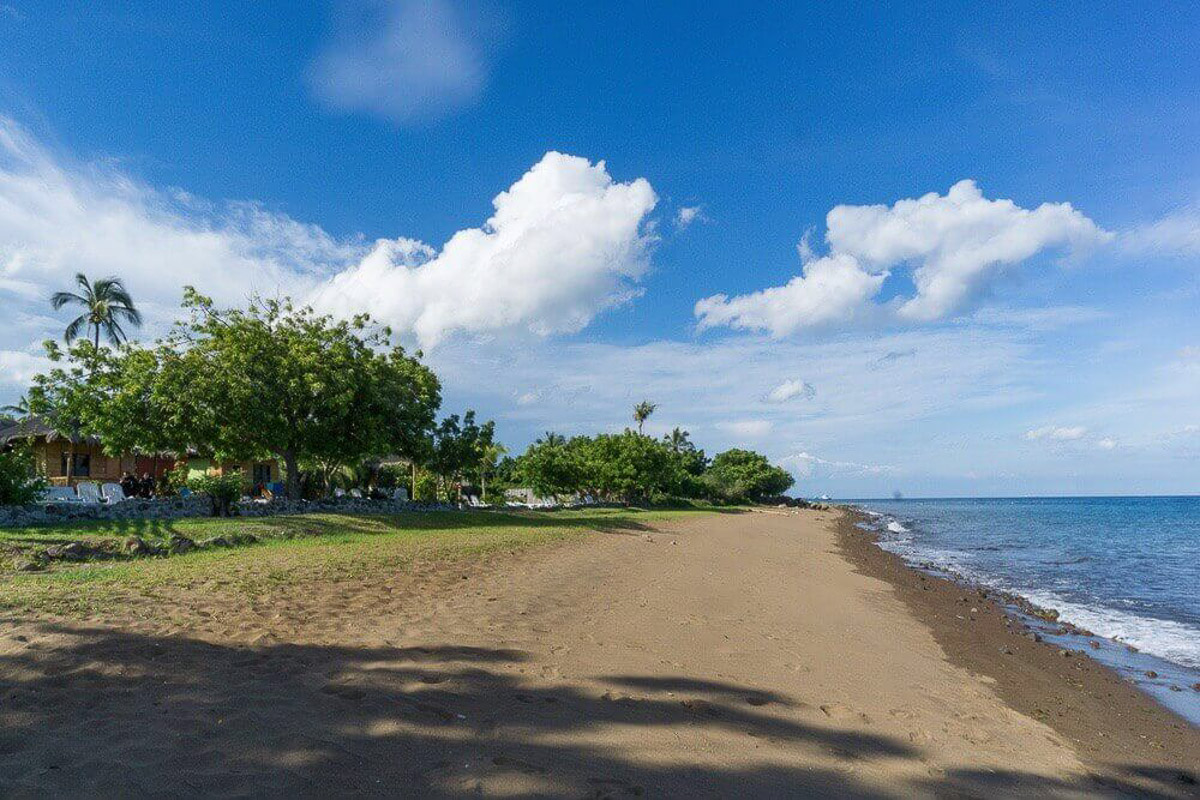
67	461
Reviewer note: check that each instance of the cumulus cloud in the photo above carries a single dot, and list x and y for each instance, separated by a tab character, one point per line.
405	60
566	241
831	289
18	367
955	245
1107	443
790	390
686	215
1057	434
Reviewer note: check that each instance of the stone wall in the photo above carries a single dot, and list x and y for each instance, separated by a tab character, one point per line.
198	506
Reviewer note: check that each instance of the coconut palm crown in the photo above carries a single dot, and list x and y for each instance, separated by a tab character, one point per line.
106	305
642	412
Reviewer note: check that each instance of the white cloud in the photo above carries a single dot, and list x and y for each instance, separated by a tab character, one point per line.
1175	234
956	244
790	390
686	215
17	367
565	243
1107	444
804	465
1057	434
405	60
58	218
832	289
747	428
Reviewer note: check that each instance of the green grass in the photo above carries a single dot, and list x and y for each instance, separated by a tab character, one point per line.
291	550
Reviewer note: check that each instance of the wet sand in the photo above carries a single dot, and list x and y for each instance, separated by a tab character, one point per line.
755	655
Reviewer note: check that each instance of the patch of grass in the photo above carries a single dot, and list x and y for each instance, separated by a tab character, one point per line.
293	550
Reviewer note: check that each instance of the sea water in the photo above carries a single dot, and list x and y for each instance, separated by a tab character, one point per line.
1124	568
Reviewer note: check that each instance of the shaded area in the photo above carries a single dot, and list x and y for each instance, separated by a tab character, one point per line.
100	712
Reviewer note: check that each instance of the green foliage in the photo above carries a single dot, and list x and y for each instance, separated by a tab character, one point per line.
642	412
628	467
550	468
743	475
223	490
19	483
105	305
426	490
458	449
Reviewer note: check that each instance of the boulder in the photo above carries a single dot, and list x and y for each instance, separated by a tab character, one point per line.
180	544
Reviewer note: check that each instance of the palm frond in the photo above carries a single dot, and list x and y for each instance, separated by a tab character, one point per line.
60	299
114	332
77	325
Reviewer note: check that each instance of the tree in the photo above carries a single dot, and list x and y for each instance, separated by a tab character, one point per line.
106	304
691	459
642	412
548	468
626	466
489	456
271	380
743	475
19	482
17	411
459	447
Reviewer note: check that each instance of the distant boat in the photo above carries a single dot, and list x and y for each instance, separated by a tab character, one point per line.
824	497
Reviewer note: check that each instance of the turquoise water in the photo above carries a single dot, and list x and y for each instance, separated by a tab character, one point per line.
1125	568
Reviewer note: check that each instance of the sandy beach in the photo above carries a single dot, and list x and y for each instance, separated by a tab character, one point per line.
764	654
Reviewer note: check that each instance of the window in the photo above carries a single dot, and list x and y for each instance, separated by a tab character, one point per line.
83	465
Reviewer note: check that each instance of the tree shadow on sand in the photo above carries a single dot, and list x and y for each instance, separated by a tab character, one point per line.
92	711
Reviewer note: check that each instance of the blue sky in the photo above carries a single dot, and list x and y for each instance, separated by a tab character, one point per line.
985	339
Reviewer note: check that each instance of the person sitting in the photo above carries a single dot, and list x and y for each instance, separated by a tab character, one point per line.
129	484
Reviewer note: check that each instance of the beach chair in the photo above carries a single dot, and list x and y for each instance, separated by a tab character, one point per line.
339	492
356	494
89	493
400	493
113	493
59	494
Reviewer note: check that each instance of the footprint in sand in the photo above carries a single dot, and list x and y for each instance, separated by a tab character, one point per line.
842	712
613	787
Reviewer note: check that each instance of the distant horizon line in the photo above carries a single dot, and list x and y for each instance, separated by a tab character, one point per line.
1013	497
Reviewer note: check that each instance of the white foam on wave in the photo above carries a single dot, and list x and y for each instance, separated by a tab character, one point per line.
1169	639
896	527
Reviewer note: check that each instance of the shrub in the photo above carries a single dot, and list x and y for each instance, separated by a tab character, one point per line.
223	490
19	482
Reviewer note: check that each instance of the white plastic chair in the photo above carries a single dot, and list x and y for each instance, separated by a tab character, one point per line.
113	493
89	493
59	494
356	494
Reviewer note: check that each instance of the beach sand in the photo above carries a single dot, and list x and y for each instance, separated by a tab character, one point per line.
765	654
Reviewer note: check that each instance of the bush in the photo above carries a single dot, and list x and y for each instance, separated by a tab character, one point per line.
19	482
223	490
743	475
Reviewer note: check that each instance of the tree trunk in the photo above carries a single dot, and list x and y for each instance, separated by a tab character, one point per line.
413	495
293	475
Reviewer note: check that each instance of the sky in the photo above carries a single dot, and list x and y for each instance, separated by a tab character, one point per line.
931	249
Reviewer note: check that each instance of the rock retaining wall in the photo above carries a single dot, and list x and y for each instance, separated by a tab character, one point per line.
198	506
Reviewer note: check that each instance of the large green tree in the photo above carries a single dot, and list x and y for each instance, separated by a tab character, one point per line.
273	380
743	475
459	446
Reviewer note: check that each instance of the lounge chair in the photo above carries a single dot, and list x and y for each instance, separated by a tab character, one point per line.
339	492
59	494
400	493
113	493
356	494
89	493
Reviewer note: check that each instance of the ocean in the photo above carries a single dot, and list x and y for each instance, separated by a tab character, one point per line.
1125	568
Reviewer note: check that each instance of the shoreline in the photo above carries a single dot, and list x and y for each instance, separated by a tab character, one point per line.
1109	720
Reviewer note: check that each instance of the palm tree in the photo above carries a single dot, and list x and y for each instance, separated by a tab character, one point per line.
105	305
487	462
677	440
553	439
18	410
642	412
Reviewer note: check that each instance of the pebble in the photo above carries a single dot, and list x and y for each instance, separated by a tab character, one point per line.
1151	673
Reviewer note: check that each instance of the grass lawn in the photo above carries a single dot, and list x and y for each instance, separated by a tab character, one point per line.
291	550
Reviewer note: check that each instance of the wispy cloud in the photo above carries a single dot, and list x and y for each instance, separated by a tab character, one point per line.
1057	433
791	390
686	215
405	60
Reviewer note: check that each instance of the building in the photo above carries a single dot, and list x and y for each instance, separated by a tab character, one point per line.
67	461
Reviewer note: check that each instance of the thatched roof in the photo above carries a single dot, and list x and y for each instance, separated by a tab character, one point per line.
37	428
